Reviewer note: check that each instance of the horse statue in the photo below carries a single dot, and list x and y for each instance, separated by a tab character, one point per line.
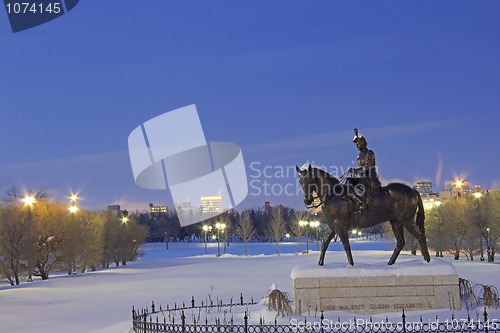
397	203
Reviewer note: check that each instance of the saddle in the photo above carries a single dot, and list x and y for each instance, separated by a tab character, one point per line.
361	194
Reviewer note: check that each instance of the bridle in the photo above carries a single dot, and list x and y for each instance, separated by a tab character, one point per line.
343	178
321	202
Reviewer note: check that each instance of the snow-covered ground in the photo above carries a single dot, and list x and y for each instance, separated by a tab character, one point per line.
102	301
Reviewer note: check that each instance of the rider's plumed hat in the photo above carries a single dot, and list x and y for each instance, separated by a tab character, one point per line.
358	137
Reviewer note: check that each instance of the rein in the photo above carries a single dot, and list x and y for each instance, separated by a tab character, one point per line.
321	203
342	181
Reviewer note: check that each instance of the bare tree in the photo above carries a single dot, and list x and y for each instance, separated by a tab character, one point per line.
492	232
244	229
12	233
453	215
472	234
435	230
92	238
276	227
50	237
296	229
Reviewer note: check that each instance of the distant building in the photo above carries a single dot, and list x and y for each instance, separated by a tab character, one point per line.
478	191
157	209
186	208
430	202
211	204
424	188
267	207
114	210
456	186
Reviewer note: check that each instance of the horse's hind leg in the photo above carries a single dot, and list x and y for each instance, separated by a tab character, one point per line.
413	229
324	247
398	230
344	237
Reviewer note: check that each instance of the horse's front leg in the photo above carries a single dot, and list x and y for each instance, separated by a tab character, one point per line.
324	247
344	237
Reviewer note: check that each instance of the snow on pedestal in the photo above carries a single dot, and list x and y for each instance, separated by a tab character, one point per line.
374	288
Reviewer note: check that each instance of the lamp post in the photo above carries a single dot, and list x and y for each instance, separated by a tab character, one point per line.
315	225
305	224
29	200
206	228
458	185
219	226
73	207
488	251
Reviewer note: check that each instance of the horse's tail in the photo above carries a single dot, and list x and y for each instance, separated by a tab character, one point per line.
420	214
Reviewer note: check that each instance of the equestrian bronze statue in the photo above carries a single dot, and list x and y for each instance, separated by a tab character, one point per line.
360	202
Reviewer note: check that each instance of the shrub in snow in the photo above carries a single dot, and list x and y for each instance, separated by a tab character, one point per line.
279	301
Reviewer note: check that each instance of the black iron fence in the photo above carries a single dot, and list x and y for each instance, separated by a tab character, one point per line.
143	322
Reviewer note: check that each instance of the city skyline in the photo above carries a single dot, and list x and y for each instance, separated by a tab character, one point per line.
418	80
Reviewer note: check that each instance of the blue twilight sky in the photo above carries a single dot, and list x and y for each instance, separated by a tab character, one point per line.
286	80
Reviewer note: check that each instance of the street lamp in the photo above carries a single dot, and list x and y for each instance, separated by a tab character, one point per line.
29	200
488	248
73	208
458	184
206	228
305	224
124	219
315	224
287	237
219	226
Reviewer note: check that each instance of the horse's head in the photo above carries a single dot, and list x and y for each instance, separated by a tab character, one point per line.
308	179
316	182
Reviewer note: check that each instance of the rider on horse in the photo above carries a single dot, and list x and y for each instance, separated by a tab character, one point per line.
365	172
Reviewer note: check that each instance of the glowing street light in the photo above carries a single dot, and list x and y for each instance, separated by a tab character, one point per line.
305	224
73	199
315	224
458	185
29	200
206	228
124	219
219	226
73	209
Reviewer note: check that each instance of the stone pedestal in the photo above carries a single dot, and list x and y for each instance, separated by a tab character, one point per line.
369	289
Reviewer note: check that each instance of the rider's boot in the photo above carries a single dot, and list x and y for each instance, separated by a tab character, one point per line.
361	205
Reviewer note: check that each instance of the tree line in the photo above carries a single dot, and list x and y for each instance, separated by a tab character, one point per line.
466	225
255	224
41	236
